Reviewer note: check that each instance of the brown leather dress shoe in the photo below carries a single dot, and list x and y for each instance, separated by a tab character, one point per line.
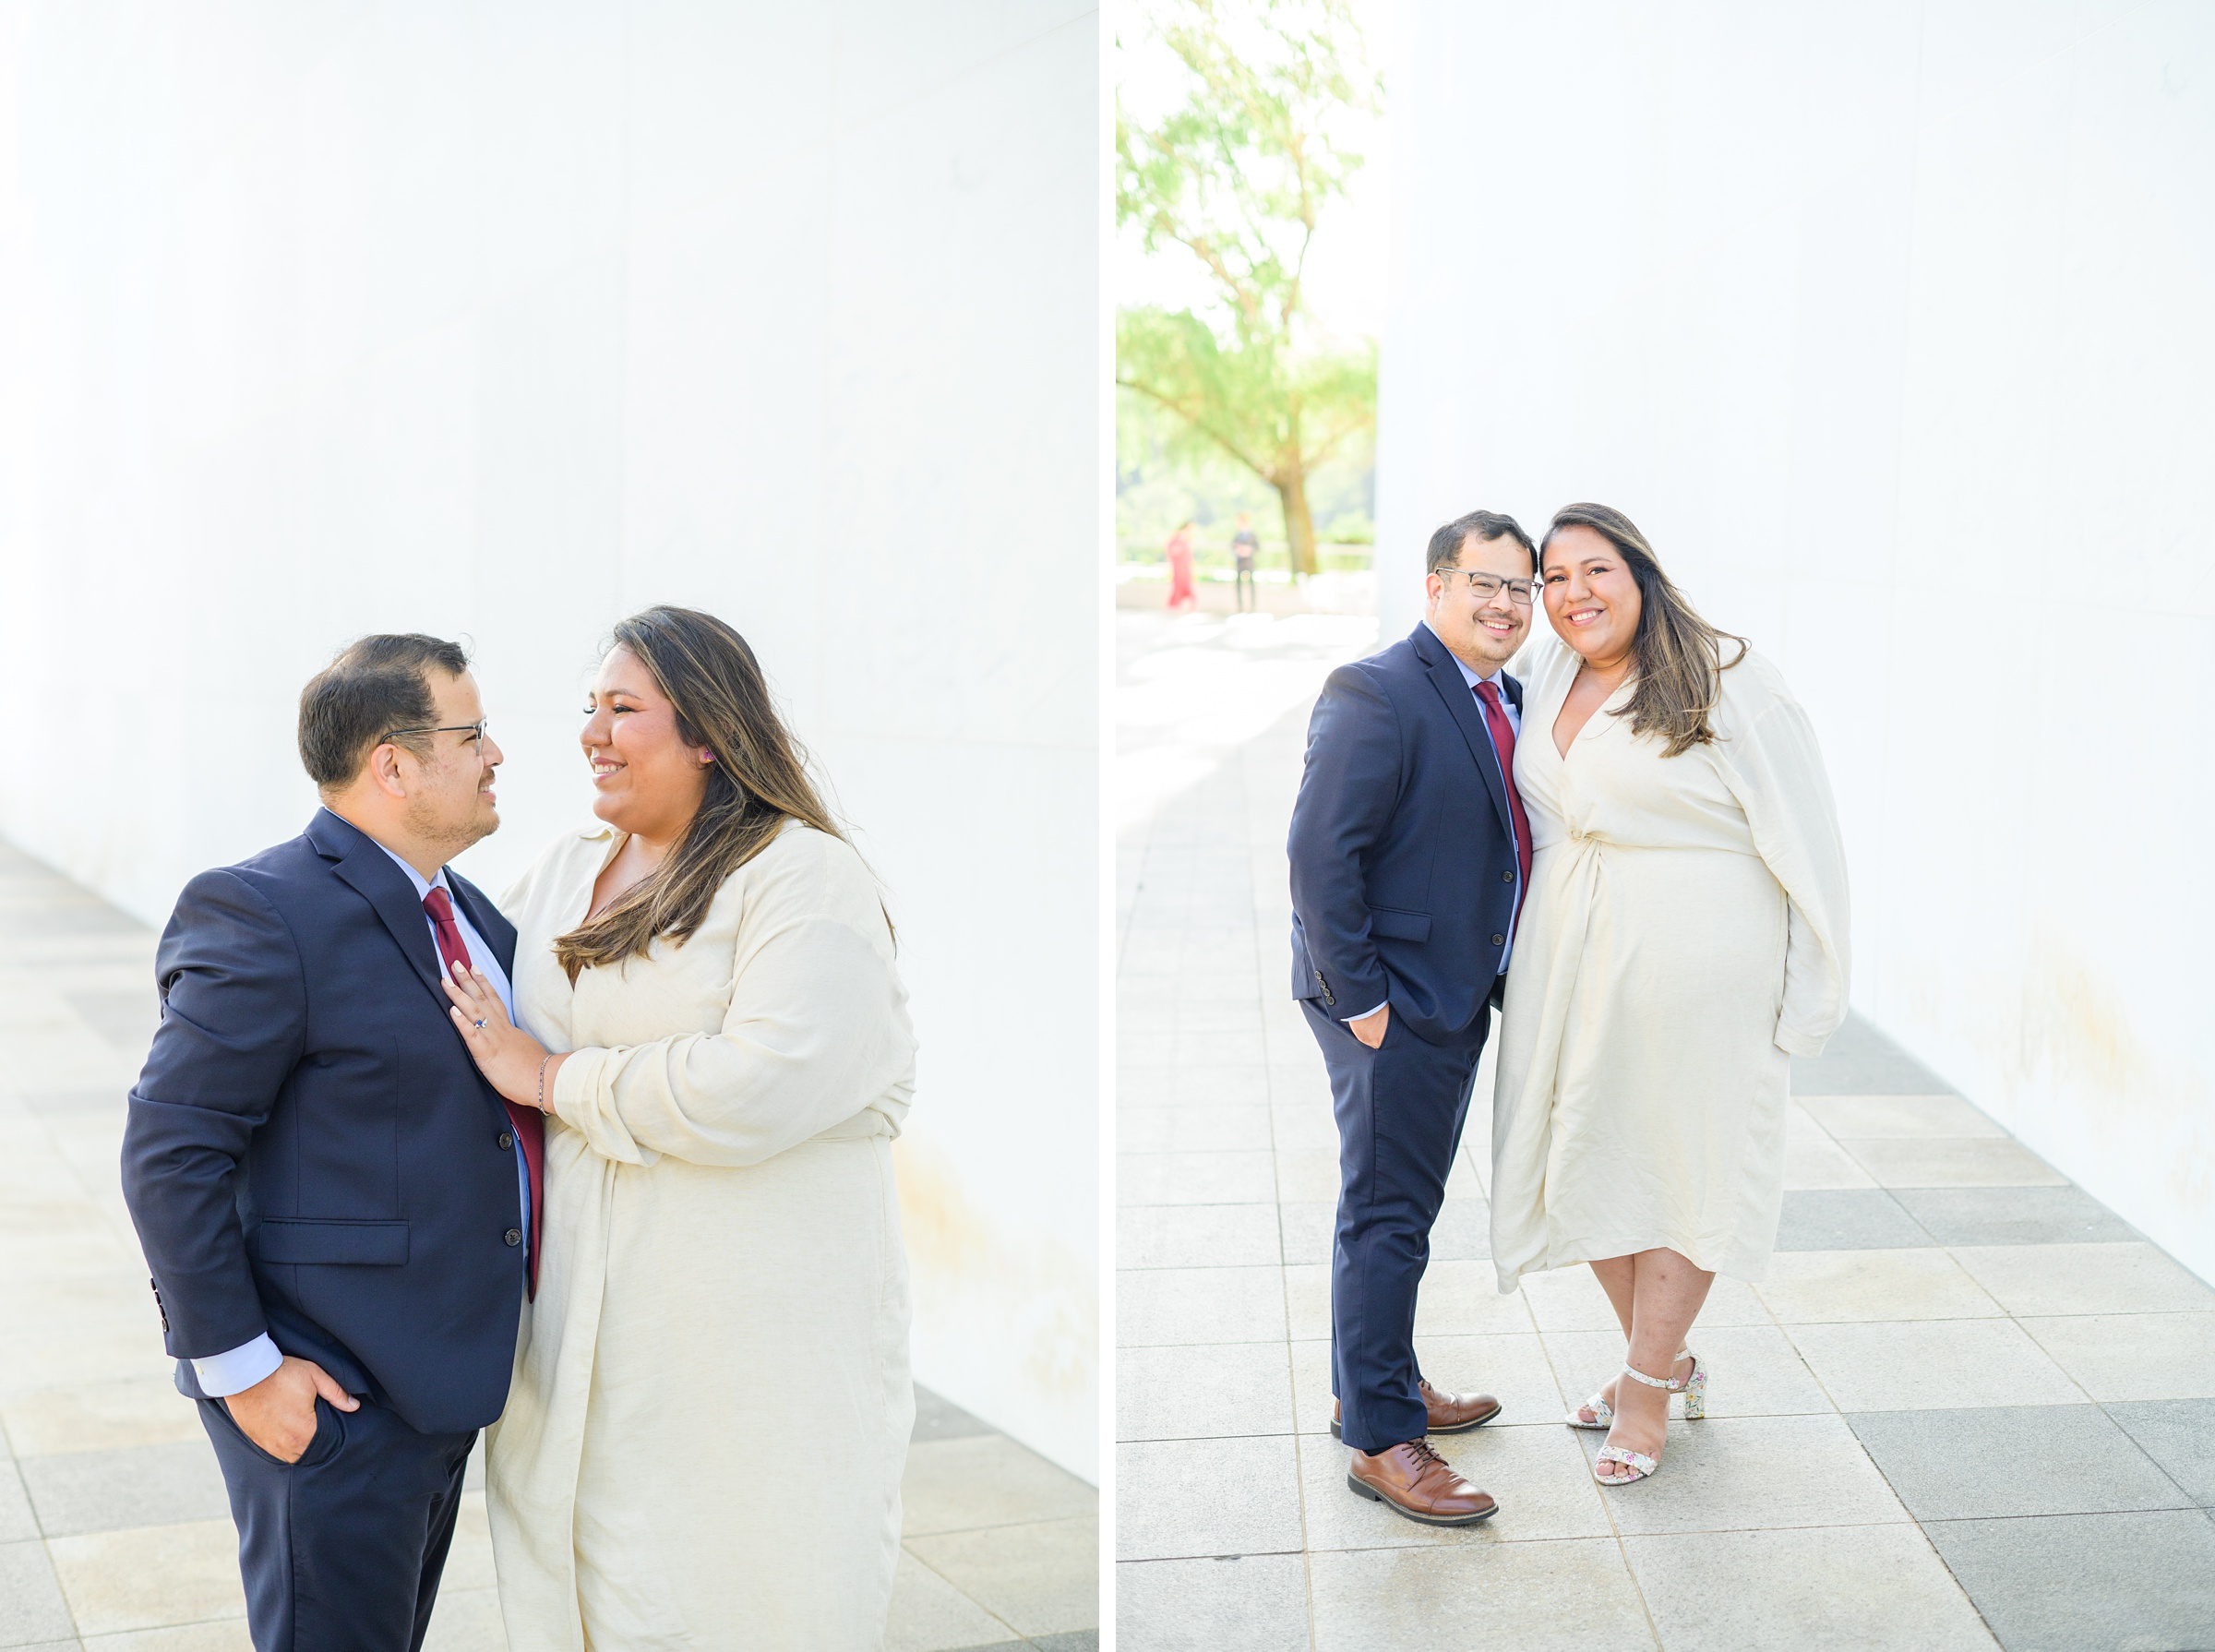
1445	1413
1414	1481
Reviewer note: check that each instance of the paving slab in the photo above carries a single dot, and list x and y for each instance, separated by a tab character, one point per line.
1255	1602
150	1576
1995	1461
1860	1060
1191	1130
2089	1582
1247	1500
2050	1215
1203	1391
2133	1356
1570	1595
1818	1287
1933	1365
135	1485
2177	1434
1195	1178
1847	1219
17	1521
1160	1307
1197	1236
937	1418
1864	1588
31	1608
1951	1162
1817	1164
985	1480
2130	1277
1040	1578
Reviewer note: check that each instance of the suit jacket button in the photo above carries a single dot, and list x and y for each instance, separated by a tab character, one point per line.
507	1141
514	1236
1499	940
1507	877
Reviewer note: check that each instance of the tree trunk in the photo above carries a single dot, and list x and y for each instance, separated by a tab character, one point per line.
1300	527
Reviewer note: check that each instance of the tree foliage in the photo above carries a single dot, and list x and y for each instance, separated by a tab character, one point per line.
1236	175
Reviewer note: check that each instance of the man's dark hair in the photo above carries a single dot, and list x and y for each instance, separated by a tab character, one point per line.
377	685
1445	545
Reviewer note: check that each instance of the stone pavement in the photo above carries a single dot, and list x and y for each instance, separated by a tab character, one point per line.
1969	1405
115	1533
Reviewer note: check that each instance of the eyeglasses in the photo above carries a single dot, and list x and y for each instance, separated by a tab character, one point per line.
1488	586
475	731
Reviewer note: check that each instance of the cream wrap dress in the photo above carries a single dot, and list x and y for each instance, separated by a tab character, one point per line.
1683	937
712	1406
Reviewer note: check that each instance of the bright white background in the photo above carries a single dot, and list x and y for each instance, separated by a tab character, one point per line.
1890	324
502	320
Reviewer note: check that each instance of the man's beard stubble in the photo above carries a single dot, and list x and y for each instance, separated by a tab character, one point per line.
433	825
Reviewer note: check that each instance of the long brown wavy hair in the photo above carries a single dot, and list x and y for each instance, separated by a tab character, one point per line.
1676	656
757	780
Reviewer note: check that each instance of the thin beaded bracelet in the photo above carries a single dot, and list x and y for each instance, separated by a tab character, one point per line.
542	1079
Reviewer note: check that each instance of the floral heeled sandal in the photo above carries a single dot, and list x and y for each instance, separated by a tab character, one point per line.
1694	1388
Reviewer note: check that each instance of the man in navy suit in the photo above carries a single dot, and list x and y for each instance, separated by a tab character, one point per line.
1409	856
339	1213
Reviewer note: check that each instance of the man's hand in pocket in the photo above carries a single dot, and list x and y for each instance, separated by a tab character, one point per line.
1370	1029
279	1412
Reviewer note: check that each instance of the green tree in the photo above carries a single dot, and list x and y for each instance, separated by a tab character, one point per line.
1238	175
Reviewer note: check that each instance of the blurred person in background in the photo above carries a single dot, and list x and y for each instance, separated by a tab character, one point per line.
711	1403
338	1214
1685	938
1179	551
1245	544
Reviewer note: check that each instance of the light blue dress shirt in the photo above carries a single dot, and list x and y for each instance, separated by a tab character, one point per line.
1514	721
233	1373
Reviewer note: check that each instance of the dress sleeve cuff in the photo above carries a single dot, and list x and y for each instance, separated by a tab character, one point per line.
1795	1042
575	1083
221	1375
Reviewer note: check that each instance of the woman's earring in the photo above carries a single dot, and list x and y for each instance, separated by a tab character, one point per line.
707	757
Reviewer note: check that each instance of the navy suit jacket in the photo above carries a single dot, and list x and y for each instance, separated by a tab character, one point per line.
310	1150
1403	850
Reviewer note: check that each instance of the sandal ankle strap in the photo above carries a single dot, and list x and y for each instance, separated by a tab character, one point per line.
1637	1375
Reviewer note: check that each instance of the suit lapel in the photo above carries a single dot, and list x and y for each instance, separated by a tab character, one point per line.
484	918
369	872
1468	716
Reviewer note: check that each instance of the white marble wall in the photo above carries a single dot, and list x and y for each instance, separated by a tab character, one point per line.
1890	324
502	320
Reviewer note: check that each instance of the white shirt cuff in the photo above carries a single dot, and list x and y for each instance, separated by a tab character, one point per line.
1365	1014
221	1375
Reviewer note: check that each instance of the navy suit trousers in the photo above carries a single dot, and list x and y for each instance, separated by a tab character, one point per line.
1400	1110
341	1550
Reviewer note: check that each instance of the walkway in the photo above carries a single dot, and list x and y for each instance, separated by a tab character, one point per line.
115	1533
1970	1404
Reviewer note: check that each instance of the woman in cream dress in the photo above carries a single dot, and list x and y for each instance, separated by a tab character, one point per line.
711	1406
1683	937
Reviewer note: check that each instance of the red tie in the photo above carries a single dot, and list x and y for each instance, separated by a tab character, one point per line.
530	1123
1504	746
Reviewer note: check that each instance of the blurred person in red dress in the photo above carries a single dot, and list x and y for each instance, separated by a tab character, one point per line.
1181	595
